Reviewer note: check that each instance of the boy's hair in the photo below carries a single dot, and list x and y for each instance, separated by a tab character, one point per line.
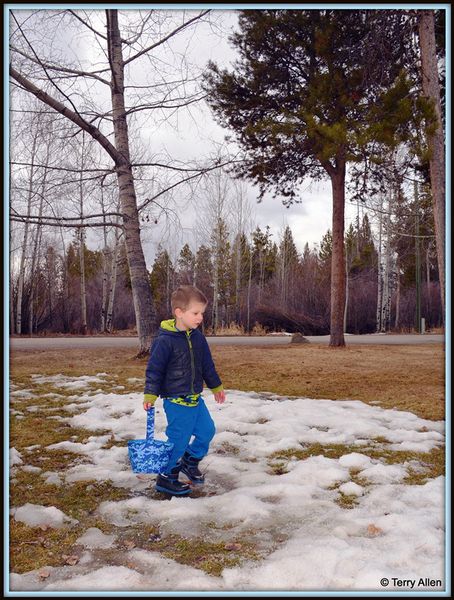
184	295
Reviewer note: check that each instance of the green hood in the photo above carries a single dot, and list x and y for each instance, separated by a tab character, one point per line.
168	325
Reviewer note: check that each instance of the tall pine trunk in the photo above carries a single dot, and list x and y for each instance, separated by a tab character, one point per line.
140	281
431	89
338	259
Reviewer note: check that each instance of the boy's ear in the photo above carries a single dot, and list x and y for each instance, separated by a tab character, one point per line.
178	313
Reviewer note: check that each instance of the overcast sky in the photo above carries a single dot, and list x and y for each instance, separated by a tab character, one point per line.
191	134
308	220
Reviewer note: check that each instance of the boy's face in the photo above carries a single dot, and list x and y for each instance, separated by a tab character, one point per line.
191	317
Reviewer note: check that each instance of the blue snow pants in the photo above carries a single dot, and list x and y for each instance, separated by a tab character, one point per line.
185	422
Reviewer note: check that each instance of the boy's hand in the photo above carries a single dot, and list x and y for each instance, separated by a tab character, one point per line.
219	397
148	401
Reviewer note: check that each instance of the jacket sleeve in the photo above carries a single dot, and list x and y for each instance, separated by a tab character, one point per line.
209	372
156	367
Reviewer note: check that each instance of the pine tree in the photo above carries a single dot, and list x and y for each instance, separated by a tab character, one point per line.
162	282
186	266
312	91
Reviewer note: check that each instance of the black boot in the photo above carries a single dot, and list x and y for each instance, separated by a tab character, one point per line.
169	484
189	466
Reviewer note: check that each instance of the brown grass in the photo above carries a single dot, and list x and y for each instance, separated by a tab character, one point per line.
405	377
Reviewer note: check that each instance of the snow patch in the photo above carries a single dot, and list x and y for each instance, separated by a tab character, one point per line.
35	515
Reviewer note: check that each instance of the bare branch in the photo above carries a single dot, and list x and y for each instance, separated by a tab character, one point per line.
72	116
154	106
160	165
167	37
202	172
58	222
24	164
74	14
62	69
44	68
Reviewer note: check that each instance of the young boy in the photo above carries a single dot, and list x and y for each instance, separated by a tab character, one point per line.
180	361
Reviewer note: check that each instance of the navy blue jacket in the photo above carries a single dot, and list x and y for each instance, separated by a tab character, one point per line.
179	363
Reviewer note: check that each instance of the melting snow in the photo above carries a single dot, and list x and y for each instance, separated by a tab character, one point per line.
308	541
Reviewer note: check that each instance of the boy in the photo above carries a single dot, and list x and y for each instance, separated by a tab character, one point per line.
180	360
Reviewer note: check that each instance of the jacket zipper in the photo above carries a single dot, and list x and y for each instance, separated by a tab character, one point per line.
192	362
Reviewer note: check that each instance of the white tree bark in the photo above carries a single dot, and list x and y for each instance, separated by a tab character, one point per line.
36	248
83	291
379	313
113	283
106	260
20	285
397	316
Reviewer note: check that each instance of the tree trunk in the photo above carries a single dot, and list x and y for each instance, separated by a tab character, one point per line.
378	323
113	282
397	318
386	301
238	279
20	285
106	253
140	281
215	311
83	292
36	249
431	89
338	259
347	268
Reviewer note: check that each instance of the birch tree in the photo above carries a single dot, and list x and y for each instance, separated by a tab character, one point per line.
216	205
106	114
25	240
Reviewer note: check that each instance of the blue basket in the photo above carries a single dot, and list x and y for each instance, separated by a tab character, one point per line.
149	455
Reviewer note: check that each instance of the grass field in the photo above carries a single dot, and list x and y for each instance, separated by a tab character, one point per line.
403	377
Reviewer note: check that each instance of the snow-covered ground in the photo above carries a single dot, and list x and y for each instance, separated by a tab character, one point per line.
394	531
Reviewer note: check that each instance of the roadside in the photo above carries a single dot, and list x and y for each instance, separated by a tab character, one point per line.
127	341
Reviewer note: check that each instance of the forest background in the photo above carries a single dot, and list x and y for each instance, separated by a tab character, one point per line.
64	280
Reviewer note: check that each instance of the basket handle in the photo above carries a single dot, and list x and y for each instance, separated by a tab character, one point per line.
150	423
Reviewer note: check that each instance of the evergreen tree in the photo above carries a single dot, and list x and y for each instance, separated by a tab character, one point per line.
239	272
204	278
287	265
186	266
162	279
220	248
264	256
312	91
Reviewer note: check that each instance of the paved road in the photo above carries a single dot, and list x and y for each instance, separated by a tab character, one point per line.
55	343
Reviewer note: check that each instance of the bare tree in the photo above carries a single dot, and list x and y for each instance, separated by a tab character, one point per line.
52	82
22	266
241	217
216	203
83	291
